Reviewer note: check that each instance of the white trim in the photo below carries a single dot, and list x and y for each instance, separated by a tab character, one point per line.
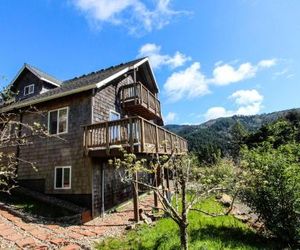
47	98
152	72
139	63
108	79
62	176
53	83
57	125
29	92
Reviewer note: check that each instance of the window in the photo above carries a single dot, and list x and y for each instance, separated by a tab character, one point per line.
62	178
115	129
29	89
113	115
58	121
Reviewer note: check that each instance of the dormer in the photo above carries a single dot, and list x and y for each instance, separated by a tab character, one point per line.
31	81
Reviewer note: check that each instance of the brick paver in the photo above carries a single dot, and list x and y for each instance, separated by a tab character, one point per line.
37	235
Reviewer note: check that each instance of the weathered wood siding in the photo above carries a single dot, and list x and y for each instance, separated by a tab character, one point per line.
106	99
47	153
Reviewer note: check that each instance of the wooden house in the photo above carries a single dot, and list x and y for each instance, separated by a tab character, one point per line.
94	114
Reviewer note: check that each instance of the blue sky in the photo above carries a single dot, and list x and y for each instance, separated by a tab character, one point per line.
211	58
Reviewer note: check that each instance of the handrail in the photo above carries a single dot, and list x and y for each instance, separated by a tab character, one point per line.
133	132
141	95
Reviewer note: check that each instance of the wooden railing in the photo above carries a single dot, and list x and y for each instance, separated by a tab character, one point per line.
135	133
138	94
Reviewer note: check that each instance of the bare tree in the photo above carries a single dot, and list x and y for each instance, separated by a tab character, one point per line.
14	133
191	184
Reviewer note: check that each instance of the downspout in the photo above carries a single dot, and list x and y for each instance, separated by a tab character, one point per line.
102	190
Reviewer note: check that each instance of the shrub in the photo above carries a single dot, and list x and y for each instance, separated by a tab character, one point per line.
271	186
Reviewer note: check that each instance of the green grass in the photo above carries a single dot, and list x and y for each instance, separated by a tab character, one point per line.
205	232
34	207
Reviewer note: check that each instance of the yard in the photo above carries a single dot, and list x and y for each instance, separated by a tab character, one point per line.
205	232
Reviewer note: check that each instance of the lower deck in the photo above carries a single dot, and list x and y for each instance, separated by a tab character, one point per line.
134	134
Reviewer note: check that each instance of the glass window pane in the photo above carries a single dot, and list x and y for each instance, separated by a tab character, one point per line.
31	89
62	121
58	183
67	177
53	122
114	116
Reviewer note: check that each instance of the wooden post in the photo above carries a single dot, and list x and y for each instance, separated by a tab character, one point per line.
157	140
165	141
91	137
135	93
142	135
123	97
107	138
135	189
141	93
131	135
148	101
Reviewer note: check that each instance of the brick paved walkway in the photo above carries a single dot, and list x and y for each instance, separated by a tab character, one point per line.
18	234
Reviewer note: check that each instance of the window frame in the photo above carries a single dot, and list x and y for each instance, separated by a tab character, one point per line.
57	125
62	176
28	87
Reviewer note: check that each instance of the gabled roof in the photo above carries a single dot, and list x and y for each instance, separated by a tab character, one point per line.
43	76
39	74
78	84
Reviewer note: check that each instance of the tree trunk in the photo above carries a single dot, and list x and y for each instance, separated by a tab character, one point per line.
183	236
184	222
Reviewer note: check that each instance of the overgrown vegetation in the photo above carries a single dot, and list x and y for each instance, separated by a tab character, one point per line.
215	139
205	232
271	164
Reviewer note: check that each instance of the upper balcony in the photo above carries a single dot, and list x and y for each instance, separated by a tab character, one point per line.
135	134
138	100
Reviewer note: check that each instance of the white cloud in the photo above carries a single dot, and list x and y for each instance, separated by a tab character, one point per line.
157	59
225	74
170	117
216	112
191	82
249	102
267	63
136	15
187	83
245	97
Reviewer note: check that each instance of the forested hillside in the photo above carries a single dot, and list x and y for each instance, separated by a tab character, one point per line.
218	137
